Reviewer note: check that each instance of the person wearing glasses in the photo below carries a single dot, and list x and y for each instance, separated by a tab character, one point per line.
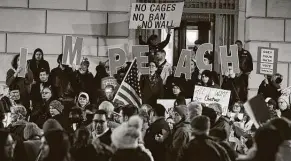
99	128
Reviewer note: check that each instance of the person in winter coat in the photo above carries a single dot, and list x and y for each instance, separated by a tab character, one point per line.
83	80
88	110
36	88
266	148
284	106
13	79
168	92
245	62
181	132
157	133
62	79
83	150
195	109
207	80
153	43
56	112
190	83
41	114
220	136
151	86
235	84
125	139
37	63
32	135
202	147
100	74
7	146
18	122
109	108
270	86
164	68
55	143
99	128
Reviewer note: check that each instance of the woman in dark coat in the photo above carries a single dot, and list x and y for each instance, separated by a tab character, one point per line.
151	86
13	79
207	80
37	62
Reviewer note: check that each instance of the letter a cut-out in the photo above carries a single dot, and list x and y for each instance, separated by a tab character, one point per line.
185	58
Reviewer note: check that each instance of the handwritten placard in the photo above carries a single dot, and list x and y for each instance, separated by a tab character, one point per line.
155	15
212	95
267	60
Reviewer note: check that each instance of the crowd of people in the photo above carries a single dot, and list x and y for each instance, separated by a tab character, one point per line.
64	114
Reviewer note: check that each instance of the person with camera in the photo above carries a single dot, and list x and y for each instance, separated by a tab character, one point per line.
271	86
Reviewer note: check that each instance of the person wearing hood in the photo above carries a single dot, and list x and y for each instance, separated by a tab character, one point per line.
151	86
83	102
181	132
13	79
32	135
56	112
83	79
284	106
202	147
37	63
18	122
125	139
7	146
41	114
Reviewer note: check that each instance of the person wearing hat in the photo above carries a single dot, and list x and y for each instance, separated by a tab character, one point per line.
56	111
181	133
202	147
219	121
284	106
178	93
83	79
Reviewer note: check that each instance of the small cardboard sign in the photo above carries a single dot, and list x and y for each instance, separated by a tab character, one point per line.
23	61
212	95
267	61
108	81
155	15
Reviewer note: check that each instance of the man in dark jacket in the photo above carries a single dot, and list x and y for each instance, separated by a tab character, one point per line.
202	147
245	62
157	133
181	132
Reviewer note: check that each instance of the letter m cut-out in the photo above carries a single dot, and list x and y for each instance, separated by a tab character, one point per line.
71	54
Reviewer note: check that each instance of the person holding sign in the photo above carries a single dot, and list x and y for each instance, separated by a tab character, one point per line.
153	43
13	79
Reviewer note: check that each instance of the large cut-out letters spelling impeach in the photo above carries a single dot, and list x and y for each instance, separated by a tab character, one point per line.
69	54
184	63
233	59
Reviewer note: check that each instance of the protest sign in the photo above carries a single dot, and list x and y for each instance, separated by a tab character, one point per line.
267	60
23	62
212	95
155	15
108	81
169	105
257	110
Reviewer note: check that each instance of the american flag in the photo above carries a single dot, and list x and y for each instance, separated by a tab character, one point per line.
129	90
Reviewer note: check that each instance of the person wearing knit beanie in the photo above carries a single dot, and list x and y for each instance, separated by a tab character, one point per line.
52	125
200	125
56	108
31	131
195	109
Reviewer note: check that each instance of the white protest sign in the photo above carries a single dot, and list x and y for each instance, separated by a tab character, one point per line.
267	58
169	105
155	15
212	95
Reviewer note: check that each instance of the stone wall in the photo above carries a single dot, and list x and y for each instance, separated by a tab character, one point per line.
266	23
44	23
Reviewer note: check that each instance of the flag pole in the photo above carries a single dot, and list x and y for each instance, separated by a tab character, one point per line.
124	78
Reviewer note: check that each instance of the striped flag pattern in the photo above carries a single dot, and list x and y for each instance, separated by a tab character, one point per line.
129	90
